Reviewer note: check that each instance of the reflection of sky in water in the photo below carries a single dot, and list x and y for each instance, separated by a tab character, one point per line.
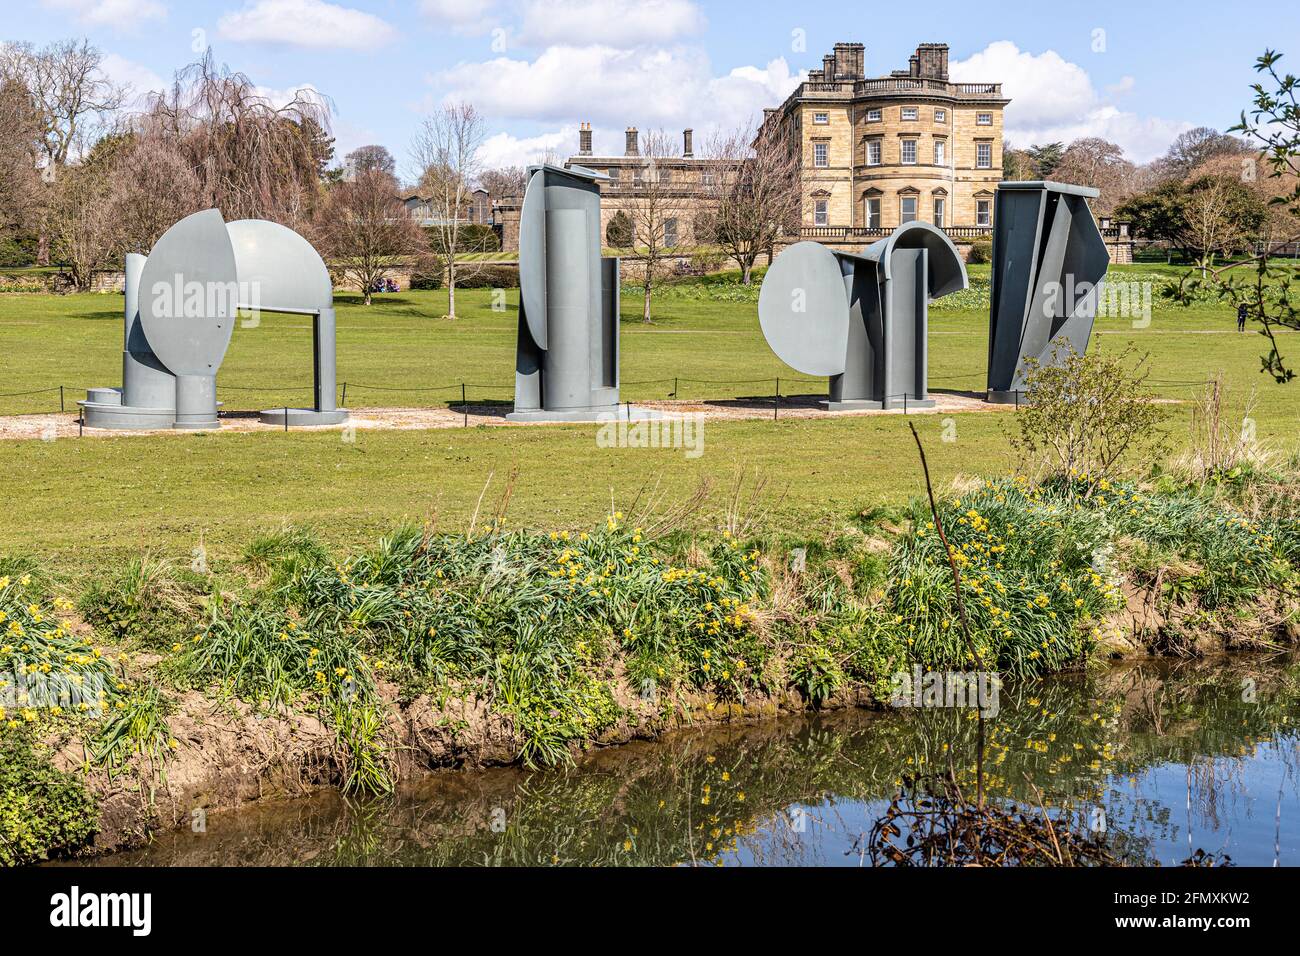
1237	814
806	791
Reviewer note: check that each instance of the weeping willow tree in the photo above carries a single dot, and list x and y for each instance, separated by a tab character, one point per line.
251	157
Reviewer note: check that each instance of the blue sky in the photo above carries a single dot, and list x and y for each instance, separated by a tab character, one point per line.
1136	73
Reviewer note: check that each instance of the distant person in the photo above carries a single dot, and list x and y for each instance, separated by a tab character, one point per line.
1242	312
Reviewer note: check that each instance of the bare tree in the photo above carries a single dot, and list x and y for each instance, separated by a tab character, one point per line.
1211	224
508	181
20	185
750	190
152	187
254	159
78	216
365	159
656	204
1017	164
1197	146
1092	161
72	97
364	232
446	155
71	91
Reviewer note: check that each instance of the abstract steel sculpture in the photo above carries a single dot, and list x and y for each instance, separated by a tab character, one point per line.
1048	264
180	310
566	357
861	318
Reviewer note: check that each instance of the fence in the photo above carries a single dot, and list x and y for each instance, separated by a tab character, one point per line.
777	397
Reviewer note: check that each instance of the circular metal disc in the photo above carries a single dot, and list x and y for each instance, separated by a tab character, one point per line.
279	269
188	295
804	311
532	257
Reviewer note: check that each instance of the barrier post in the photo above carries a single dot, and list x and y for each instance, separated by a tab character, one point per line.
61	408
286	418
776	403
464	406
344	400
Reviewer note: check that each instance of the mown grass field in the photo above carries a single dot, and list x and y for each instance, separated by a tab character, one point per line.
81	503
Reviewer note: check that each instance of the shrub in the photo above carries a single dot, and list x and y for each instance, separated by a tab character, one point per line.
981	252
43	811
426	280
488	277
1085	414
471	237
17	252
618	234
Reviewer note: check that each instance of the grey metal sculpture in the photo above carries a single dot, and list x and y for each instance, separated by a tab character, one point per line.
1049	260
566	357
861	318
181	304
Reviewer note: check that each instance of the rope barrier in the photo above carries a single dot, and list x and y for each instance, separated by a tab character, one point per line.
677	382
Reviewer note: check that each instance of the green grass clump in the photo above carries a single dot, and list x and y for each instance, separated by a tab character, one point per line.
136	724
1032	589
1041	567
535	621
146	602
259	653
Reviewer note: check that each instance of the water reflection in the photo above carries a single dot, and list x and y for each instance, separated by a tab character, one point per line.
1168	758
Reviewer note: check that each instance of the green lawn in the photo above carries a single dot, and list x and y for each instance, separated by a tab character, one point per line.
79	503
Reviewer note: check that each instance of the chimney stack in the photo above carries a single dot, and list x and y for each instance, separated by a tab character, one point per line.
828	67
688	147
584	139
849	60
932	60
632	145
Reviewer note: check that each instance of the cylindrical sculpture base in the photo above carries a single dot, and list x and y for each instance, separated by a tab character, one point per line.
196	401
303	416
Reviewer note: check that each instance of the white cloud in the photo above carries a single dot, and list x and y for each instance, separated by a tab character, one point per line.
614	22
463	16
1126	84
504	149
1053	100
119	14
306	23
645	87
349	136
279	98
138	77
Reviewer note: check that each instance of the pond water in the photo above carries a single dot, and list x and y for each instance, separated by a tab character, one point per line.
1167	758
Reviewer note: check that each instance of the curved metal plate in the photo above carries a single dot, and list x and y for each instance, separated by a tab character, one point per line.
188	295
945	268
532	257
278	269
804	311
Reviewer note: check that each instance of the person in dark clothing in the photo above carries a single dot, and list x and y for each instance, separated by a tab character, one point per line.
1242	312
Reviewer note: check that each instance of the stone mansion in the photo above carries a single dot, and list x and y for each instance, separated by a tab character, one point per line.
883	151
